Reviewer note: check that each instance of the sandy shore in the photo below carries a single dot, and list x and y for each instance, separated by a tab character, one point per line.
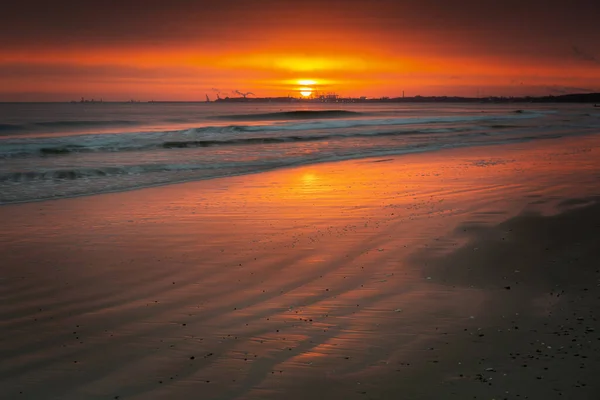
460	274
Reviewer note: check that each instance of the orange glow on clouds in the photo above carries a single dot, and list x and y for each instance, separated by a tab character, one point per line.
185	75
353	48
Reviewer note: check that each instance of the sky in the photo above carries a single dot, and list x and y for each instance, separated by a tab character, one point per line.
184	50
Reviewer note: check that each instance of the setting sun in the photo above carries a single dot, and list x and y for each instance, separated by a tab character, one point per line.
307	90
307	82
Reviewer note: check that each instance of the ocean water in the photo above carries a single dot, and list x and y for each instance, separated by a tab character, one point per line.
54	150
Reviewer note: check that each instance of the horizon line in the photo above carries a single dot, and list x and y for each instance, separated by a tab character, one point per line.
314	99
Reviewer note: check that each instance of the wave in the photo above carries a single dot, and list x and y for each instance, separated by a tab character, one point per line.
298	138
211	170
35	126
294	115
80	124
208	136
9	127
64	149
78	173
365	122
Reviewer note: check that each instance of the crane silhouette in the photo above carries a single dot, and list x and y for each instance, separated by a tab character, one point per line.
244	95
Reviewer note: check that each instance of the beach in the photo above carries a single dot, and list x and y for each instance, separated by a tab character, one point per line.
461	273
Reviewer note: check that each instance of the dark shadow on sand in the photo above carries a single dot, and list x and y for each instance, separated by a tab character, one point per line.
532	251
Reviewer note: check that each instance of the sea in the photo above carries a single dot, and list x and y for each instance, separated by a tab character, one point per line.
58	150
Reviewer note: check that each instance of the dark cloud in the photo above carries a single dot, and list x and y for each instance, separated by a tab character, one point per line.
583	55
504	26
71	72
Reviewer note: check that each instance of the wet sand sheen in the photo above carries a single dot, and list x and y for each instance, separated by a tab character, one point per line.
359	279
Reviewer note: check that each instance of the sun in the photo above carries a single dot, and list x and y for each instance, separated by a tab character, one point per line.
306	87
307	82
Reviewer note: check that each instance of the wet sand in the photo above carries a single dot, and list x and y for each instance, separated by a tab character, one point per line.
464	273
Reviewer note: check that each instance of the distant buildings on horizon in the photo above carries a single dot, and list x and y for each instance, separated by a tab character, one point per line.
335	98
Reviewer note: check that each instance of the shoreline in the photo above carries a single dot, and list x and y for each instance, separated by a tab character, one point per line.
392	154
356	279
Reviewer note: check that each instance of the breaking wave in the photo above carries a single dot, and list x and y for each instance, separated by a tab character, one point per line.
66	125
78	173
294	115
207	136
295	138
10	127
79	124
186	139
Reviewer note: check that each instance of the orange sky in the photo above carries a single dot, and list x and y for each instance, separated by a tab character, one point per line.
177	51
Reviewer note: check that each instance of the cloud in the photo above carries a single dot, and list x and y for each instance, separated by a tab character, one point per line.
584	55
